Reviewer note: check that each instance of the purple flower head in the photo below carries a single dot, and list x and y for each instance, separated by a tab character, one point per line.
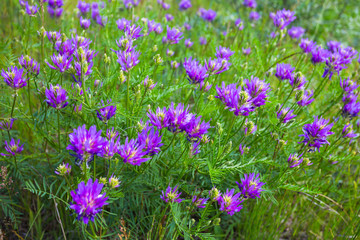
246	51
154	27
319	55
207	15
333	46
88	200
249	127
55	12
216	66
243	149
188	43
171	195
102	21
31	10
285	114
298	81
111	133
223	52
84	23
132	152
296	32
335	63
273	35
23	3
111	147
53	36
151	140
250	186
195	148
352	106
250	3
230	202
315	134
306	98
105	113
257	89
131	3
122	23
254	16
56	97
235	99
283	18
175	64
63	169
83	7
294	160
29	64
195	71
14	77
307	45
173	36
239	24
184	4
149	84
284	71
202	41
169	17
128	59
61	62
133	32
13	148
214	194
196	129
348	85
85	143
170	52
7	124
199	202
348	131
55	3
179	117
160	119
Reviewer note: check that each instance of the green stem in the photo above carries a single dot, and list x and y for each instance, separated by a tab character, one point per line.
59	138
13	106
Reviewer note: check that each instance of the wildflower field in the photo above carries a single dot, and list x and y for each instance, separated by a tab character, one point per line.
179	119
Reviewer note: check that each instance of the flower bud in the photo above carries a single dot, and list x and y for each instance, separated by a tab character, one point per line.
157	59
114	182
211	97
219	128
122	77
155	48
107	59
299	95
102	180
281	143
217	221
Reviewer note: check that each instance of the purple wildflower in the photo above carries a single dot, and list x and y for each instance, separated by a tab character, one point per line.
29	64
188	43
105	113
254	16
223	52
348	85
7	124
348	131
230	202
13	147
283	18
207	15
131	3
169	17
284	71
160	119
83	7
307	45
239	24
296	32
294	160
195	71
63	169
250	186
298	81
195	148
175	64
243	149
31	10
216	66
14	77
132	152
257	89
133	32
61	62
111	147
285	114
333	46
128	59
151	140
202	41
84	23
199	202
306	98
179	117
56	97
111	133
246	51
315	134
171	195
319	55
195	129
250	3
352	106
88	200
122	23
149	84
86	143
249	127
173	36
184	4
154	27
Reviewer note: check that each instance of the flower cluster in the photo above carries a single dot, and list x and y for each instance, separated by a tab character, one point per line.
282	18
55	8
